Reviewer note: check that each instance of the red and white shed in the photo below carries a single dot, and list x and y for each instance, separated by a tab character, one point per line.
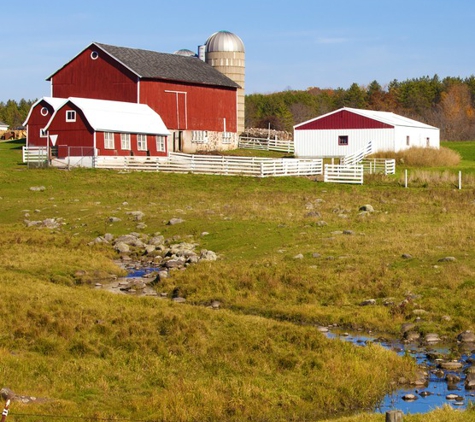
348	130
83	129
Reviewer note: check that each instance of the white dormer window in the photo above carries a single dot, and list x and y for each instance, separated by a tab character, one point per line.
70	116
199	136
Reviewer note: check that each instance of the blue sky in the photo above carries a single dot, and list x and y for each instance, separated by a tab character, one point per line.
290	44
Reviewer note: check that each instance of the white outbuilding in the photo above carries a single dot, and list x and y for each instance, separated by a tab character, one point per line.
348	131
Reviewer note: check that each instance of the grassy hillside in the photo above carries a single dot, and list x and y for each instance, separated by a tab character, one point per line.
259	357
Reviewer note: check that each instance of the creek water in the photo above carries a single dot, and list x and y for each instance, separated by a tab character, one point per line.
429	397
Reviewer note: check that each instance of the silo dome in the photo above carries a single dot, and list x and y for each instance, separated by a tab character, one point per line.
224	41
185	52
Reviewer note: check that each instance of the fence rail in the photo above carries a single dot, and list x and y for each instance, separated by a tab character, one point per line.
379	165
266	144
34	154
213	164
337	173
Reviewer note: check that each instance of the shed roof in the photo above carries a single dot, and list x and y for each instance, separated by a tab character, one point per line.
3	124
54	102
172	67
119	116
385	117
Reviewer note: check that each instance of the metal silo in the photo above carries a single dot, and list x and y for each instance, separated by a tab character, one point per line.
225	52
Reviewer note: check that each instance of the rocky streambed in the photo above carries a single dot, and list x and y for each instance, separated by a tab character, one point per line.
447	366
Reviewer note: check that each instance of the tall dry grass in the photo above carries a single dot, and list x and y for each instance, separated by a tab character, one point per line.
423	157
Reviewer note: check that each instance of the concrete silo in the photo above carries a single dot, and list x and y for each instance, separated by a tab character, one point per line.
225	51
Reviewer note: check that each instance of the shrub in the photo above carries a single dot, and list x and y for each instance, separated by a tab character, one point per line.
423	157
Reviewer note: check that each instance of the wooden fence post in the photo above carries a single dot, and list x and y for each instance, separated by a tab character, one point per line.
5	410
394	416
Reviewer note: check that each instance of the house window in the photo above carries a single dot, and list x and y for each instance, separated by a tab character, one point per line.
141	142
43	133
109	140
70	116
427	142
44	111
408	140
161	143
199	136
227	137
94	55
125	141
343	140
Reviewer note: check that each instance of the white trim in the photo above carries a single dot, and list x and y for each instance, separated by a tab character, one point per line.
125	142
70	115
44	111
160	141
141	142
109	143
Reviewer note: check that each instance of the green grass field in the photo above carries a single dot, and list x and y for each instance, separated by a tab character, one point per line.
93	354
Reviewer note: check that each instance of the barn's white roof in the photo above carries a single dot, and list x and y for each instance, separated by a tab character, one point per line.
380	116
52	101
119	116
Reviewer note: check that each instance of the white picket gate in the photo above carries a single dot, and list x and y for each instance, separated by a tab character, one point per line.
337	173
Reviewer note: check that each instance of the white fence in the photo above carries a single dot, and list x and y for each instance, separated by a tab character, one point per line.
337	173
379	165
356	157
34	154
215	164
266	144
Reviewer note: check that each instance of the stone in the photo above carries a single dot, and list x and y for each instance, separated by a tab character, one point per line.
406	256
466	337
409	397
179	299
298	256
174	221
447	259
450	365
114	219
368	302
432	338
37	188
206	255
367	208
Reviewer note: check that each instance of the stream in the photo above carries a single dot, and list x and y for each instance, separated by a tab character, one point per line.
436	393
428	397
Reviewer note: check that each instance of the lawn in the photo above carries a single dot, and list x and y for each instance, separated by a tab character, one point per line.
293	253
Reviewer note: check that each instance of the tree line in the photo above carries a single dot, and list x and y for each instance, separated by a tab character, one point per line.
448	104
14	113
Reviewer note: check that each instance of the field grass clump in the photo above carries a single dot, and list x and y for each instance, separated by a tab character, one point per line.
293	253
423	157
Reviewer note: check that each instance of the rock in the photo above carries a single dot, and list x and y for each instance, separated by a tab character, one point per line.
470	382
425	393
137	215
368	302
450	365
298	256
452	378
466	337
452	396
406	256
409	397
432	338
348	232
323	329
174	221
215	304
367	208
411	336
37	188
447	259
122	247
114	219
206	255
179	299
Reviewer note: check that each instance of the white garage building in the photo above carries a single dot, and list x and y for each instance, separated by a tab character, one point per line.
348	131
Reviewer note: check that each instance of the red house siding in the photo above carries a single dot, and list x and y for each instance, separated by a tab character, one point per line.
101	78
74	138
118	151
38	120
191	107
344	120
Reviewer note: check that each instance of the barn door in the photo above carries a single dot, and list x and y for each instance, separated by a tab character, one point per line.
178	141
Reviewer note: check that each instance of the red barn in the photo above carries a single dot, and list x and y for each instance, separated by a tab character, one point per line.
83	129
197	103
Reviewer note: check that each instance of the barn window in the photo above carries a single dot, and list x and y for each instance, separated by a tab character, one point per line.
343	140
109	140
43	133
161	143
227	137
408	140
199	136
141	142
70	116
94	55
44	111
125	141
